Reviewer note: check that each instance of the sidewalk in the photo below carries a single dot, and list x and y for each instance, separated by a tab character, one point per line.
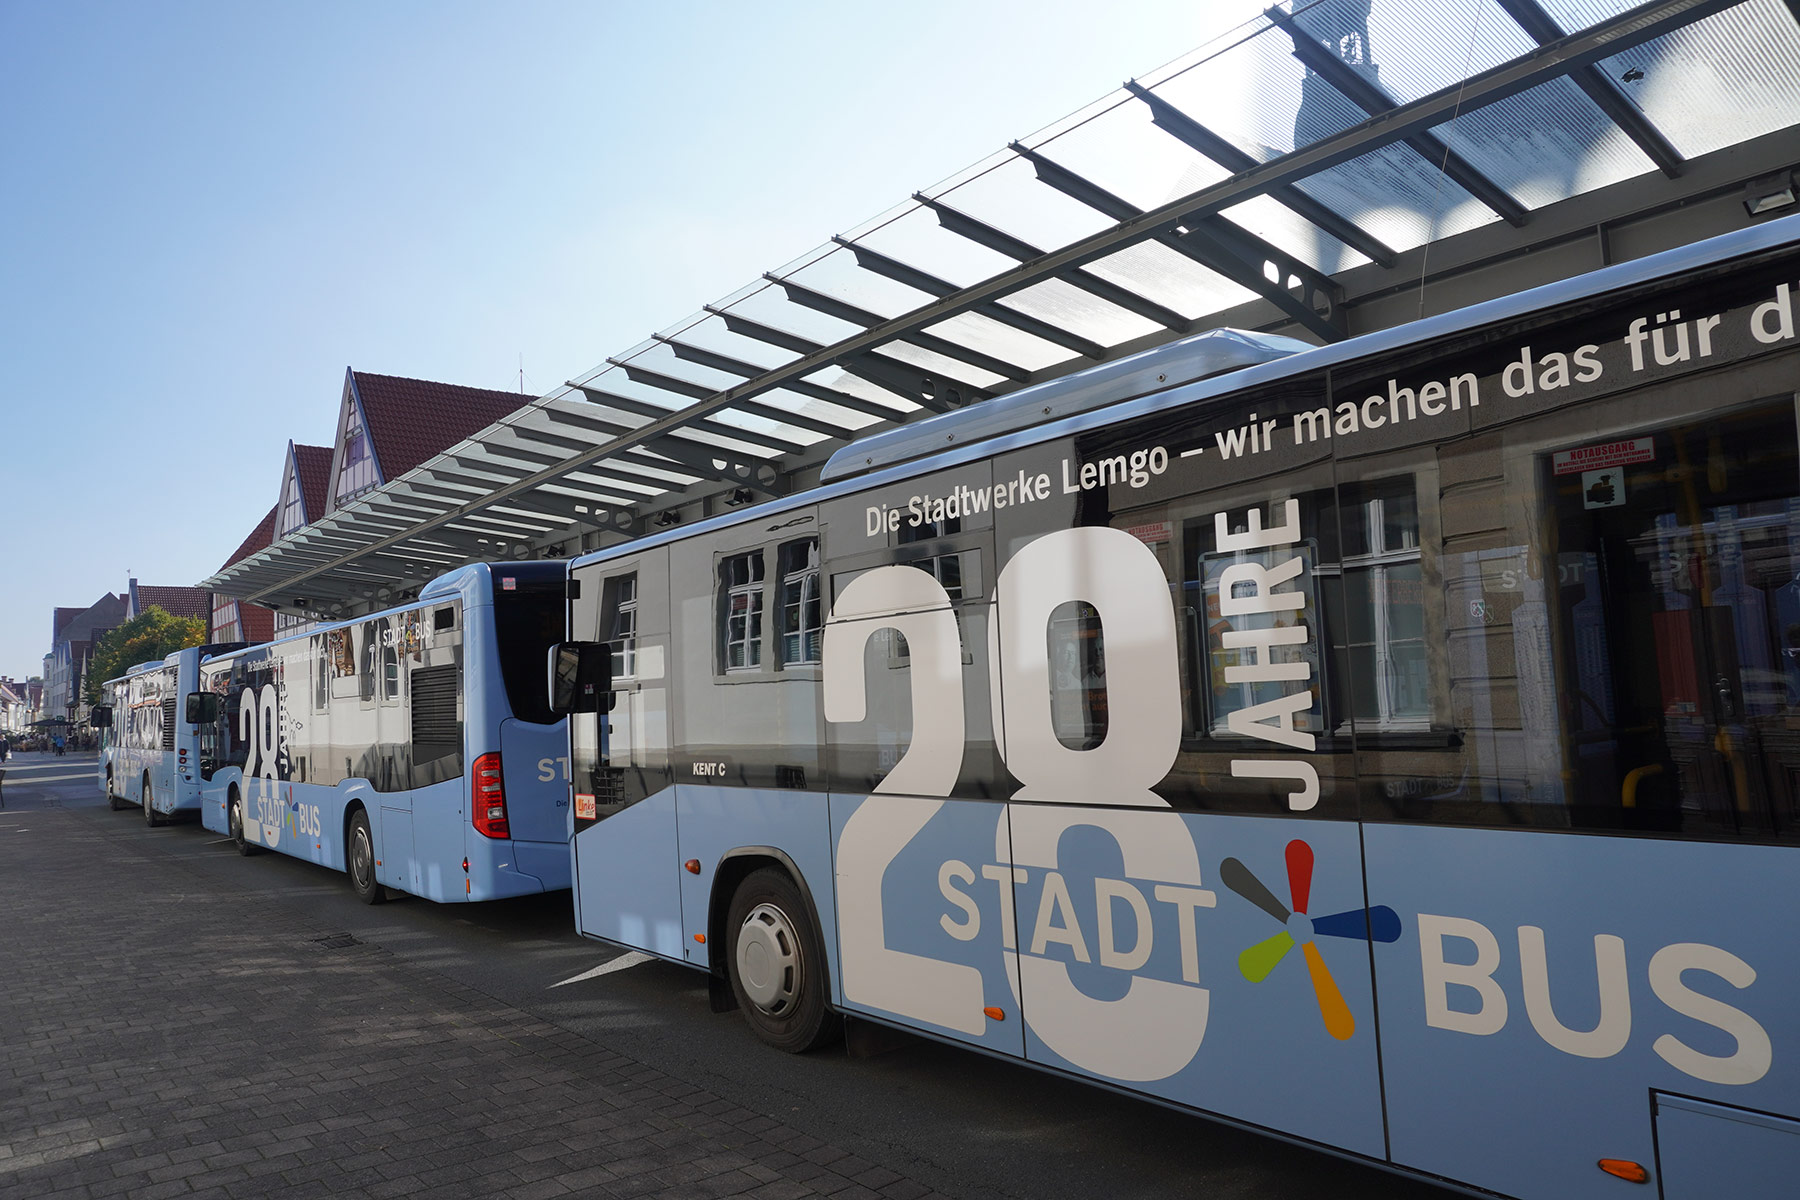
161	1035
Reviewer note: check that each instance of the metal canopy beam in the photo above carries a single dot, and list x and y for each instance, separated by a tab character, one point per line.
998	240
923	281
1627	116
1372	100
1195	136
1220	245
1605	39
656	412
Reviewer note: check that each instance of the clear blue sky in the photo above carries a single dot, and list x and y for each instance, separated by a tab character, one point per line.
208	211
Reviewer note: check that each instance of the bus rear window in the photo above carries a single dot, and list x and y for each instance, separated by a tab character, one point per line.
526	624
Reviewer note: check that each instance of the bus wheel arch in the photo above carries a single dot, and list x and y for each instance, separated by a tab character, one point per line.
152	818
359	855
764	920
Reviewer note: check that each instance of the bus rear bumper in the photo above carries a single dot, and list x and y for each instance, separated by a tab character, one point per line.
520	868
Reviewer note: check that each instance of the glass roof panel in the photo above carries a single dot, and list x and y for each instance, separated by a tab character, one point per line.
983	333
629	489
713	441
1124	152
1412	48
1283	228
1249	95
917	240
711	334
1398	197
840	380
1067	306
940	364
1729	78
1010	197
1170	278
1546	144
771	307
1572	15
838	275
824	410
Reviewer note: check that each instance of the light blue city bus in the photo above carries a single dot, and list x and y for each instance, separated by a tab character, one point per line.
412	749
149	756
1392	747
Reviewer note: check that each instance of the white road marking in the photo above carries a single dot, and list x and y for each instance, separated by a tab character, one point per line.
92	767
630	958
216	842
35	779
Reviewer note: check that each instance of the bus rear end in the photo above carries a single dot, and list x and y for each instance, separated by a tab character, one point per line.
517	749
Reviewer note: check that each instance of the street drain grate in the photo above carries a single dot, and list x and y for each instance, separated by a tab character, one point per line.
335	941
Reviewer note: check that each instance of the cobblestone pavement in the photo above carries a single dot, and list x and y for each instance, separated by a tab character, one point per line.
165	1035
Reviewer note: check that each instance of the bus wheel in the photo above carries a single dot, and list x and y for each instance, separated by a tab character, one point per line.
362	861
234	821
152	818
113	799
777	966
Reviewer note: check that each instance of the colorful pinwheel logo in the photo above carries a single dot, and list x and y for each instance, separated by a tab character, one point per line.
1379	924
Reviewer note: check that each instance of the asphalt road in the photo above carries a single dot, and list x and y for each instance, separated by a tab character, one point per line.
954	1121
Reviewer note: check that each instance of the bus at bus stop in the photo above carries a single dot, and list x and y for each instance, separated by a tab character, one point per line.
1390	746
411	749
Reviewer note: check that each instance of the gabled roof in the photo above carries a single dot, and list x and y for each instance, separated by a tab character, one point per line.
313	465
261	536
60	618
103	614
177	601
410	420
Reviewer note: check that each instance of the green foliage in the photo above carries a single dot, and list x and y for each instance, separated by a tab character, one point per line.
148	636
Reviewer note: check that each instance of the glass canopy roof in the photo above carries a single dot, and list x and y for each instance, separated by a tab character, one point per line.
1244	178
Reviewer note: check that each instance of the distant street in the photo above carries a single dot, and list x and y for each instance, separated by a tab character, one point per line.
180	1020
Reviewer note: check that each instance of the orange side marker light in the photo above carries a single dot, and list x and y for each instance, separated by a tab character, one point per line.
1625	1169
995	1014
701	938
692	865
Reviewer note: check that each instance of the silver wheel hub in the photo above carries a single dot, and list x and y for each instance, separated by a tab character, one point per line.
768	959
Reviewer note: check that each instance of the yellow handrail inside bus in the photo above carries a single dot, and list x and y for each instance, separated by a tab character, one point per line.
1628	792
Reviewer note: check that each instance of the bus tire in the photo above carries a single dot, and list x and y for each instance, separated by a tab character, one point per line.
113	799
359	861
234	823
777	964
152	818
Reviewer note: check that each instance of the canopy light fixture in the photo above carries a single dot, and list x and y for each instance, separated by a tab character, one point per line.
1771	193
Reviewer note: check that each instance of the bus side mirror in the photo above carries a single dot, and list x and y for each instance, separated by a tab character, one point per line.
100	716
580	678
202	708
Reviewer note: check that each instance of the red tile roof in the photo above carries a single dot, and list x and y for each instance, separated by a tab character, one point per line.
259	538
61	617
410	420
177	601
313	465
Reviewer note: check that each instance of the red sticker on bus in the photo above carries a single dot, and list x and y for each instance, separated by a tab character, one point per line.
584	806
1607	454
508	584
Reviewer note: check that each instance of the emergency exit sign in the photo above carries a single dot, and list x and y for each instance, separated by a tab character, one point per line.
1607	454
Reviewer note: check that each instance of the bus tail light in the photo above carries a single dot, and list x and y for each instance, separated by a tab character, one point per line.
488	798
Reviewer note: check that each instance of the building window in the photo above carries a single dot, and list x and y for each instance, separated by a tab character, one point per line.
802	615
621	601
1382	635
356	473
741	579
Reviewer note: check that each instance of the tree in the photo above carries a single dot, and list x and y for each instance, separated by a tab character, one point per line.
147	637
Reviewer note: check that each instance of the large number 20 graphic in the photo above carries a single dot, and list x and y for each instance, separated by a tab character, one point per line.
1122	580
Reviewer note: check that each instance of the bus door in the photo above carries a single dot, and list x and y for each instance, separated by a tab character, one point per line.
921	844
622	821
1677	622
